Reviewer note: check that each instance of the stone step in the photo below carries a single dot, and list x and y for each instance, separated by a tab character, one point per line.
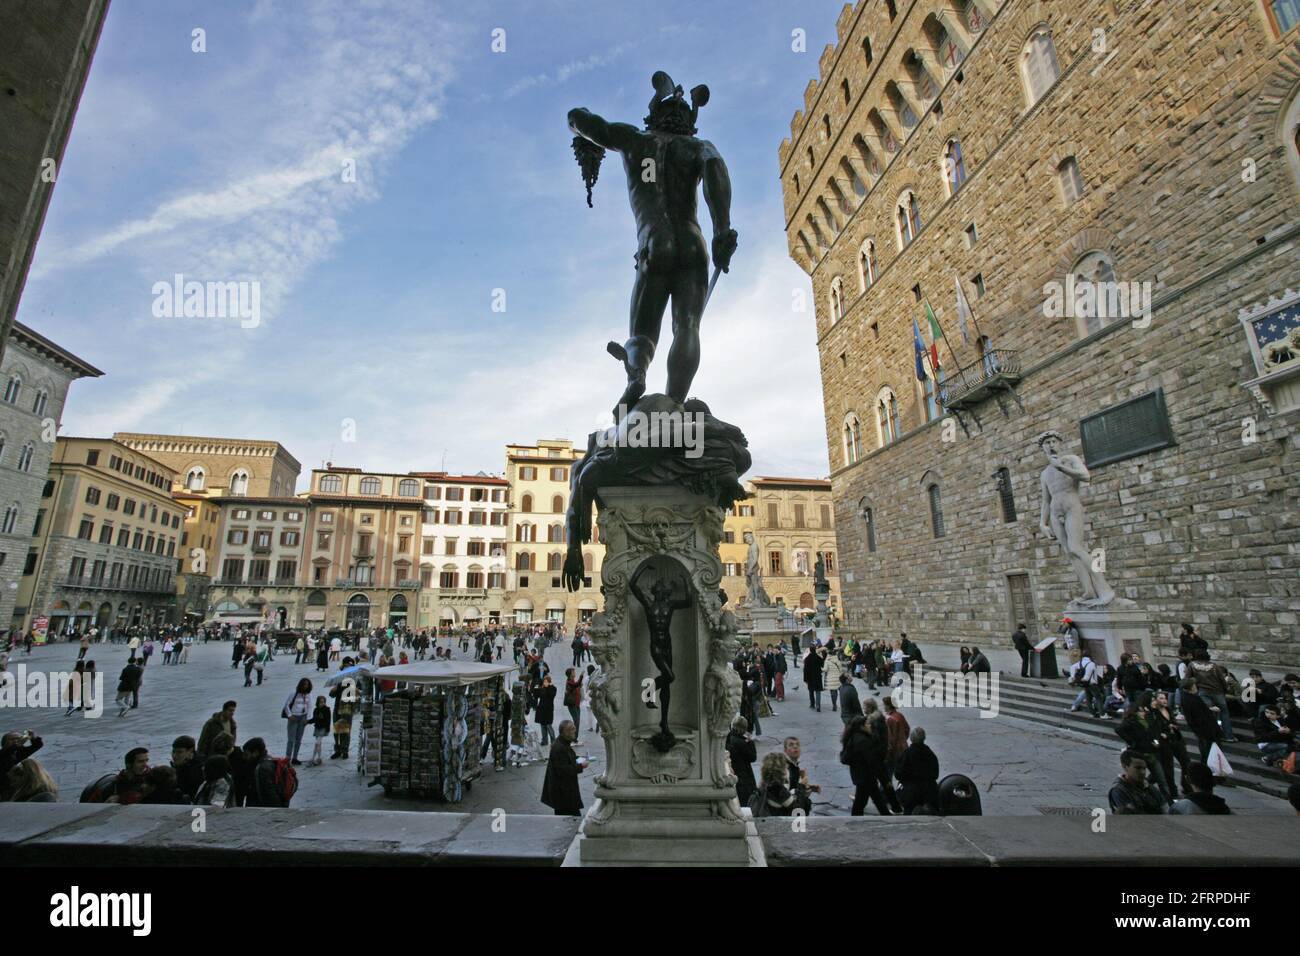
1240	726
1250	770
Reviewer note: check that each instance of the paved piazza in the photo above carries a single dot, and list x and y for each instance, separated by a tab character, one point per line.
1018	765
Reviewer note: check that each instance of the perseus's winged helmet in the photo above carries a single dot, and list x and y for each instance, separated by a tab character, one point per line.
666	89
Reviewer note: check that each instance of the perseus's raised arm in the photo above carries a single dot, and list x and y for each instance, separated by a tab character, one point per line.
615	136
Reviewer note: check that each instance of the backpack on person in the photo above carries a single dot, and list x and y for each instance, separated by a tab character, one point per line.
284	779
758	803
100	790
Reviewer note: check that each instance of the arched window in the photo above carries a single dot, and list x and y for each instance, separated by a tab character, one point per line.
194	479
867	265
3	441
557	504
852	439
887	428
526	504
587	562
1094	277
12	390
929	401
936	511
526	532
555	533
869	522
331	484
239	483
826	126
25	457
1070	180
844	88
954	167
1038	66
524	561
837	299
1291	132
408	488
797	187
555	561
11	519
370	486
42	399
908	216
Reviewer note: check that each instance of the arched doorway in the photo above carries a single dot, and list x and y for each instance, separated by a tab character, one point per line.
105	615
315	614
397	610
806	600
358	612
59	617
281	618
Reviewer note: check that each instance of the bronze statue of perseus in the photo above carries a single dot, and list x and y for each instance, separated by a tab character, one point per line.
665	164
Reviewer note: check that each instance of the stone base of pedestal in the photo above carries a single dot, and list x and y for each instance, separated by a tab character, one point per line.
1108	632
764	619
665	838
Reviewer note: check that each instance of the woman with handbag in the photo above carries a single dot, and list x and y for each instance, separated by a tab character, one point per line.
297	710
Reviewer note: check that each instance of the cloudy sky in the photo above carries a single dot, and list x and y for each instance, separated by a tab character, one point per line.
378	346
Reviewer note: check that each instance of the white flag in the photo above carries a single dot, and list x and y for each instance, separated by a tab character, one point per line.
963	311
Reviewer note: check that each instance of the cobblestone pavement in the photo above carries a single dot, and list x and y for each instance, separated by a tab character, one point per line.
1019	766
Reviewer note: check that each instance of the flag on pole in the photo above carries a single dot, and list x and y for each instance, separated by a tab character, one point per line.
935	335
919	348
963	311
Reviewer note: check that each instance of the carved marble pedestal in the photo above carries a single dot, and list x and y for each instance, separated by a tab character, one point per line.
1107	632
651	807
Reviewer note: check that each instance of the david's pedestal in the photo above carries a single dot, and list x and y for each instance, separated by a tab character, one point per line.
654	806
1118	628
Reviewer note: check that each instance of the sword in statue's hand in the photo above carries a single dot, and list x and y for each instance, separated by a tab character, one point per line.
717	271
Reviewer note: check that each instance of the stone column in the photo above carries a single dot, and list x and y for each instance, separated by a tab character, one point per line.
678	806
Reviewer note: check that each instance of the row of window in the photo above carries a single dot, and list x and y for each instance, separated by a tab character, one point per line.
526	504
242	514
138	472
13	389
24	456
527	561
262	539
259	571
526	533
934	497
453	516
435	492
140	541
93	496
99	574
529	473
908	225
474	580
475	548
196	480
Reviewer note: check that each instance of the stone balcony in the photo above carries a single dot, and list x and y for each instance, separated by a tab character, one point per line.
997	372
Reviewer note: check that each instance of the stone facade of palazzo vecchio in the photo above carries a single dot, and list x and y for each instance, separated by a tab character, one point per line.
1116	187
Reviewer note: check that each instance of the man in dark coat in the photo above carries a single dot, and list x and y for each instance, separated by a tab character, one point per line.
1200	719
742	752
223	721
812	676
1021	641
850	703
917	771
560	788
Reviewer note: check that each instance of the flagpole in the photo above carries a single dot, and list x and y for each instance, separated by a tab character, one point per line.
944	335
963	301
